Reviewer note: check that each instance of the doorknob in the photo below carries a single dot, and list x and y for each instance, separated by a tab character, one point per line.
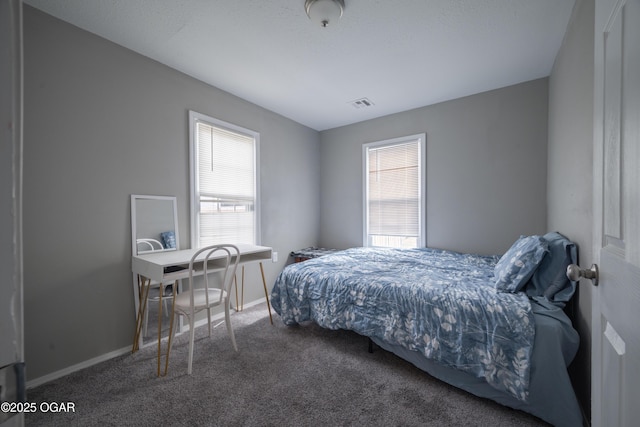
574	273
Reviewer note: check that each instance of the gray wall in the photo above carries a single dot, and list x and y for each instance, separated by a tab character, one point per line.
101	123
570	163
486	169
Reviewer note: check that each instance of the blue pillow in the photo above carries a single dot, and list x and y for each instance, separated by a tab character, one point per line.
168	239
550	279
519	263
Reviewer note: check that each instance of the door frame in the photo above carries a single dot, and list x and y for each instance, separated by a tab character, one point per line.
11	288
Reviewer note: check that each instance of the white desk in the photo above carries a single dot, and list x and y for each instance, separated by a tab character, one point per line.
151	266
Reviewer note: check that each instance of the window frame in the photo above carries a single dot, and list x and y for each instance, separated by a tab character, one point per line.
194	118
422	184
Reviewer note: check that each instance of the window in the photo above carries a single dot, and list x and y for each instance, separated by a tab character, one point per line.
394	192
224	197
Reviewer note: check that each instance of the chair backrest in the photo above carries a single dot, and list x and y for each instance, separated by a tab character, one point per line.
222	259
148	245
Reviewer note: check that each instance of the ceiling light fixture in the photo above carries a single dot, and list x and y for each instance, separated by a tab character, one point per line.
323	12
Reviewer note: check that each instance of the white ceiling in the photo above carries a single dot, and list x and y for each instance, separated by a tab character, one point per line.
399	54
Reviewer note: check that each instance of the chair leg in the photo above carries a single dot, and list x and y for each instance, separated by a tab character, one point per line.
172	330
192	335
146	312
146	321
159	331
164	299
209	320
227	320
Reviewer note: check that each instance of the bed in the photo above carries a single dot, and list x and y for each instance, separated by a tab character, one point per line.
493	326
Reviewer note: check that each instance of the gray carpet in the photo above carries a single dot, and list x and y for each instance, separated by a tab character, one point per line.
282	376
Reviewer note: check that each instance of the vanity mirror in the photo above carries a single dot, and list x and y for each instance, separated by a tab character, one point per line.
154	227
154	224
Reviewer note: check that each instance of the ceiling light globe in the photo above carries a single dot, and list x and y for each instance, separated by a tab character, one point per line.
324	12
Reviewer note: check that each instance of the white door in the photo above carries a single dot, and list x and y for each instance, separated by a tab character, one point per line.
616	300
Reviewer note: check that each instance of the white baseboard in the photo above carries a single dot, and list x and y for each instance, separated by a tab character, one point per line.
74	368
104	357
252	303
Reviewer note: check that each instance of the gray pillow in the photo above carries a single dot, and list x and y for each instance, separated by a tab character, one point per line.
550	278
517	265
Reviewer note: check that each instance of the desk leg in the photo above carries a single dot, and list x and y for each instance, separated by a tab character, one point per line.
266	293
241	306
264	285
242	292
235	281
143	293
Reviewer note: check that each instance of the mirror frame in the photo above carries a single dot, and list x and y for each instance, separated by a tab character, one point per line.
138	197
135	198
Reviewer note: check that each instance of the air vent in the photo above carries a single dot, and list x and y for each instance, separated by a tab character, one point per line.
362	103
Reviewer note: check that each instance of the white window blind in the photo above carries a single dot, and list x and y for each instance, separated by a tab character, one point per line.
394	193
224	196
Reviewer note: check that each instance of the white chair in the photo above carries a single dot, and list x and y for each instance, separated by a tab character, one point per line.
221	260
146	246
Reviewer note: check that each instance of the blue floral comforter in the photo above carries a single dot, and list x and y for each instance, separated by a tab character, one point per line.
443	304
